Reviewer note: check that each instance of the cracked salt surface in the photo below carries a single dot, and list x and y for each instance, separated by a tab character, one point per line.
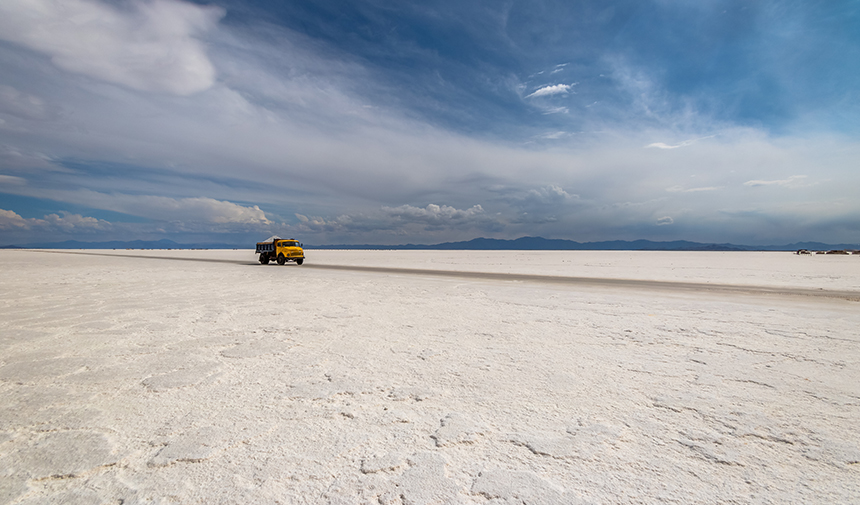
143	381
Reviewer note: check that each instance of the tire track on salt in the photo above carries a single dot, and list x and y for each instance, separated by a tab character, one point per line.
853	296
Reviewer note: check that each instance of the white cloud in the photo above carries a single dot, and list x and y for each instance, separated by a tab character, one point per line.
161	208
661	145
10	220
320	223
556	89
200	209
63	222
147	45
75	222
794	180
551	194
681	189
553	135
187	210
432	214
665	220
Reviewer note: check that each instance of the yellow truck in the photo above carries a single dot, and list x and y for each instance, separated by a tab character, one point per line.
280	250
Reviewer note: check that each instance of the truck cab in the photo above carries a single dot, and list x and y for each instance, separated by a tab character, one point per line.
280	250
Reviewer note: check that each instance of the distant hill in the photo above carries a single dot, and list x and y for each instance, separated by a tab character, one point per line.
478	244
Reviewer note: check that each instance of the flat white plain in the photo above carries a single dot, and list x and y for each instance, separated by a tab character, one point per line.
154	380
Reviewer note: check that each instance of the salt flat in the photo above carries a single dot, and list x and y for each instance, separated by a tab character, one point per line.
152	380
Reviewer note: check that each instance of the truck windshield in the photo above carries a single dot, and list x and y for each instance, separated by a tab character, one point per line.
289	244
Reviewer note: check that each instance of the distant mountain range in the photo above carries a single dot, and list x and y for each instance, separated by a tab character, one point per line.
478	244
545	244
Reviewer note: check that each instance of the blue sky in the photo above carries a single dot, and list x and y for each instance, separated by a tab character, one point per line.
423	122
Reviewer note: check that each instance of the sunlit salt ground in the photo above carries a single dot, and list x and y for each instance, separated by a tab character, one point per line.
154	380
743	268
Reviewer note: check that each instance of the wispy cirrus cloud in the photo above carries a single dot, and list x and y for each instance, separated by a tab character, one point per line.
555	110
12	180
553	135
555	89
19	160
794	180
662	145
25	105
681	189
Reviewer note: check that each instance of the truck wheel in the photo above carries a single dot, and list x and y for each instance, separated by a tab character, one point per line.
264	259
300	261
281	259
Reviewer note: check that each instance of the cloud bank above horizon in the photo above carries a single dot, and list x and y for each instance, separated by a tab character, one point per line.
231	121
